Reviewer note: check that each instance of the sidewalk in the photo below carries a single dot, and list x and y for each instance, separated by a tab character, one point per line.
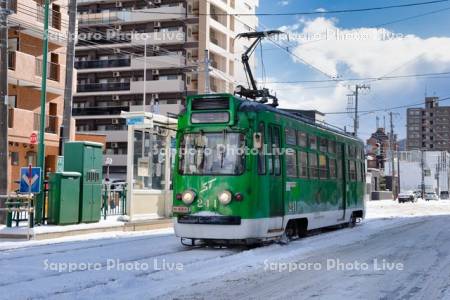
111	224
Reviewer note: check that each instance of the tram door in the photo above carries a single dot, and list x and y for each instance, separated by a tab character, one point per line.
343	175
275	172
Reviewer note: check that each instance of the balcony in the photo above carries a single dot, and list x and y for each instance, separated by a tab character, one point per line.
96	111
135	16
52	70
12	60
98	64
157	38
23	122
51	123
134	63
158	62
158	86
54	17
21	66
103	87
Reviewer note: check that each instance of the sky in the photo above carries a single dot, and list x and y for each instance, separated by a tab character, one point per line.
369	44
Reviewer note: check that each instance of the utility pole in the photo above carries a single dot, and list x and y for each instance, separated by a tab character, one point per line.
438	170
356	118
206	62
398	171
422	167
392	150
70	54
4	152
41	146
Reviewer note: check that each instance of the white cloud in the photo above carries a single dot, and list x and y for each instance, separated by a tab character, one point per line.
283	2
362	52
367	51
321	9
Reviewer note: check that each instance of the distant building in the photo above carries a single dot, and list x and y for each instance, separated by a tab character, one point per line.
175	33
378	146
435	170
428	128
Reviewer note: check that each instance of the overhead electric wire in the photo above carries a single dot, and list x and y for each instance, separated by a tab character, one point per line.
340	11
362	79
386	109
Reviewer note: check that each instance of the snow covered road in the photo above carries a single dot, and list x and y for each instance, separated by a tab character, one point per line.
400	251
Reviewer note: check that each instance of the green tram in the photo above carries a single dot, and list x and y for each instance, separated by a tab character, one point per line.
247	172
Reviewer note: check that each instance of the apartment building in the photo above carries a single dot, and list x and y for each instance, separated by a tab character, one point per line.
25	34
118	40
428	128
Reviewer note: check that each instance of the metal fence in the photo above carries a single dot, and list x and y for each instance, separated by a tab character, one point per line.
114	200
114	203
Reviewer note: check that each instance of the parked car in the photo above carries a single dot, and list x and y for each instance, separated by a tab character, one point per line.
431	196
408	196
444	195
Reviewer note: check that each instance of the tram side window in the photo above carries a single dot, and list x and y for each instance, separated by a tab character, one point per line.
290	136
291	163
323	144
363	172
303	163
313	169
275	138
352	170
323	166
261	157
313	142
358	171
302	139
332	166
270	150
339	169
332	147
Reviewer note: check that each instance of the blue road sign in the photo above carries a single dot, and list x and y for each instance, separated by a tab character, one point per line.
30	184
135	121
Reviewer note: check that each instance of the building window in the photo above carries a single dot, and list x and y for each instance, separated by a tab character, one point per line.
14	158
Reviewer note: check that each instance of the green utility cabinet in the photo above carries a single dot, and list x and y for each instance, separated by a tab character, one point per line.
64	198
87	159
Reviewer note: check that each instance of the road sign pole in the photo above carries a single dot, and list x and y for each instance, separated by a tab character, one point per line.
41	149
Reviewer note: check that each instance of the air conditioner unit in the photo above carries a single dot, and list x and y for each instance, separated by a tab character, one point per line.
115	121
119	4
155	72
116	74
116	97
114	145
157	24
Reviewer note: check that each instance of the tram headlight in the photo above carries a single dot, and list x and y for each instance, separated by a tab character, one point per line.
188	197
225	197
